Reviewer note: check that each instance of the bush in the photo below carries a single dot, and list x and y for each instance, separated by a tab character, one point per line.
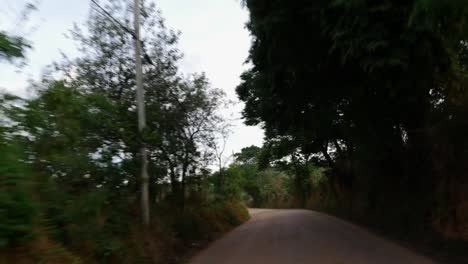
236	213
208	220
16	217
17	211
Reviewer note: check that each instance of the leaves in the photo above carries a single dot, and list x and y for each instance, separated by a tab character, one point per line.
12	47
358	86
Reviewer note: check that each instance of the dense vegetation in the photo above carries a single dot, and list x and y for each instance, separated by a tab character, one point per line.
261	182
69	154
376	93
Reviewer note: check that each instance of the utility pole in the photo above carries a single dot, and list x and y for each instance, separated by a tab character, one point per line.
145	208
141	119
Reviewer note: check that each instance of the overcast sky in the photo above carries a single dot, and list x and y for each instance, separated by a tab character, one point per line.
214	40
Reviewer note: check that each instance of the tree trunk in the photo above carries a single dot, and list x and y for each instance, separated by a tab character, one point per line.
174	183
327	156
221	176
182	191
338	147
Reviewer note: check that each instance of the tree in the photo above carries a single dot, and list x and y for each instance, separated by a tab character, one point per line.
218	145
358	83
66	128
182	111
248	155
241	178
190	122
107	66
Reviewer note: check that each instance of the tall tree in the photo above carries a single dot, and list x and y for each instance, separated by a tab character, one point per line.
358	82
182	111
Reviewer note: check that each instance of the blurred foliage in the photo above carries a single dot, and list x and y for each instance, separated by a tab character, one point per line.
12	47
69	163
17	207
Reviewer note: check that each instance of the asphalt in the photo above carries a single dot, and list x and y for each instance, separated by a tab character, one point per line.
300	237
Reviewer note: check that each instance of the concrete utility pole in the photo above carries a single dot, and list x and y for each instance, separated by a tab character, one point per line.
141	119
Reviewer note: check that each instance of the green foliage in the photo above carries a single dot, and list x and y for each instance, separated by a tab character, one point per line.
249	155
12	47
317	175
183	115
280	184
17	208
274	189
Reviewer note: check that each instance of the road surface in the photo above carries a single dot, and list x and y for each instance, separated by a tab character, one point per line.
299	237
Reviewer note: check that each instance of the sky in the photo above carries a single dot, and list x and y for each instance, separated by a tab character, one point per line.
214	40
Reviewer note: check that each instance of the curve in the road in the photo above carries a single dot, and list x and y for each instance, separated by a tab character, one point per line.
300	237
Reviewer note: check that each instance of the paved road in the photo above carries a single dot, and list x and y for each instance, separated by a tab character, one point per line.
299	237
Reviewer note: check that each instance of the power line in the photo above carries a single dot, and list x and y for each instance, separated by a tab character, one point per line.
103	11
114	19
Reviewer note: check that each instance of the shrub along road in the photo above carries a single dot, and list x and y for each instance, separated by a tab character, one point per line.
299	237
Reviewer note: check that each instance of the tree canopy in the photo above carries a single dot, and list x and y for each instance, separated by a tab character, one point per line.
374	88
